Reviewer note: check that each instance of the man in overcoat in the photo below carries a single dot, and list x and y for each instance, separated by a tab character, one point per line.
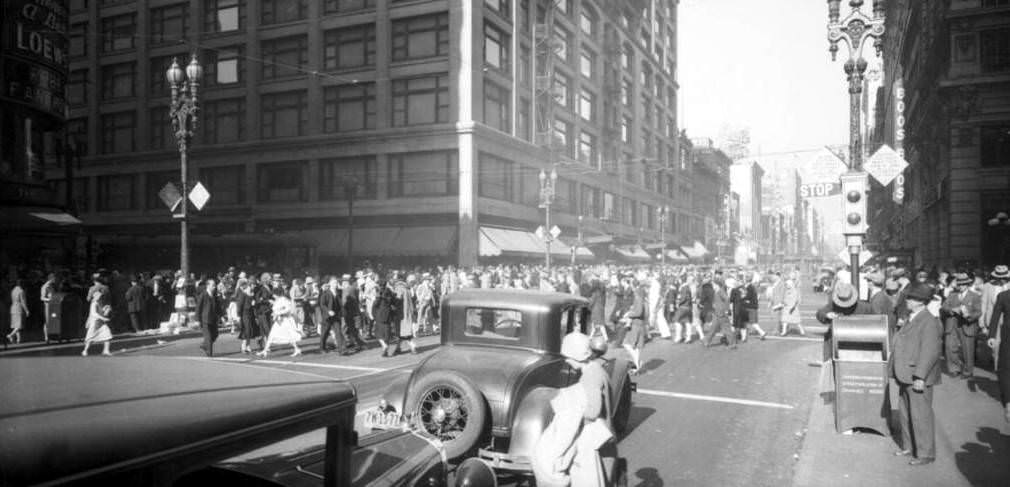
914	363
963	307
135	297
331	309
209	311
999	341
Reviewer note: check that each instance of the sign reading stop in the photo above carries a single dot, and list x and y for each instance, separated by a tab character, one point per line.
819	190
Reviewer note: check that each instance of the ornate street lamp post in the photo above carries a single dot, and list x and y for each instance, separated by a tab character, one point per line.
856	29
183	113
663	212
546	198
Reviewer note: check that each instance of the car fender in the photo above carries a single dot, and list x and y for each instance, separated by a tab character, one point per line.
531	419
396	393
619	375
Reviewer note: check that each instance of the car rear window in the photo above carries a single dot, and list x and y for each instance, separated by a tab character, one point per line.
500	324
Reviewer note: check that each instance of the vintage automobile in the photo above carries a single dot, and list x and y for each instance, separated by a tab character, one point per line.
486	391
172	421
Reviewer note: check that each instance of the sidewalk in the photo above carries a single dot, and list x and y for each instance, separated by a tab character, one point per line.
972	442
146	337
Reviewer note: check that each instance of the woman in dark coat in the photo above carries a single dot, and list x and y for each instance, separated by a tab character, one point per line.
738	304
384	311
248	329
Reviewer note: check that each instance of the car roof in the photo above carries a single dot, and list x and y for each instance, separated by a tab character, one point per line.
71	419
513	298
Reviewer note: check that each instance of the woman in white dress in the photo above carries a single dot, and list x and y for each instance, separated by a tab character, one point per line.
19	311
99	313
284	330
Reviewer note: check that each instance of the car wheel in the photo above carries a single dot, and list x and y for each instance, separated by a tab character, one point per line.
622	413
450	408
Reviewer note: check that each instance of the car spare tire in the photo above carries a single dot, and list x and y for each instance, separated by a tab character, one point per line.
450	408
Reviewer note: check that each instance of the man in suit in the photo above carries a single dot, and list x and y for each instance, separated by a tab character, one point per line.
962	308
999	338
880	302
914	363
135	297
330	307
208	311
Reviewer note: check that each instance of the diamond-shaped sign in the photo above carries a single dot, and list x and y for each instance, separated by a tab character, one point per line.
864	256
885	165
540	232
170	195
825	167
199	196
555	231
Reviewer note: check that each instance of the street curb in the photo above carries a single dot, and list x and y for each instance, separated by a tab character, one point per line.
43	348
802	465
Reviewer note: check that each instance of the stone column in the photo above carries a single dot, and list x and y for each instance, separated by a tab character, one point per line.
465	65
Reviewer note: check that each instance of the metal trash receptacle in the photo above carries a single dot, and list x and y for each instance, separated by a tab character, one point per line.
860	348
65	317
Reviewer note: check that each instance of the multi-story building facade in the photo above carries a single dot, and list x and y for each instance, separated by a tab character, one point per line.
745	180
438	115
712	193
951	62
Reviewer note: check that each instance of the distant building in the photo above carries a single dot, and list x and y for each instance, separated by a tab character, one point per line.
746	176
951	60
438	115
711	185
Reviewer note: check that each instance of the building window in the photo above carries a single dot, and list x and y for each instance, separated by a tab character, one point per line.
342	6
647	111
77	87
349	107
169	24
420	37
118	32
497	101
995	145
77	133
523	120
496	47
561	43
226	183
421	100
626	130
629	212
119	130
586	61
524	16
587	148
587	21
161	135
284	56
224	15
76	5
279	11
995	49
587	100
78	39
223	121
626	92
609	207
116	192
336	174
561	84
156	181
525	75
562	139
284	114
647	79
503	7
590	202
224	66
496	178
627	55
118	81
281	182
423	174
349	47
160	64
565	198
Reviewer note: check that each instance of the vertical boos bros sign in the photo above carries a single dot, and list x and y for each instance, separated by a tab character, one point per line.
33	58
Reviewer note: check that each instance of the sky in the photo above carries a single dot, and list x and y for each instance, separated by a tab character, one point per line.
762	65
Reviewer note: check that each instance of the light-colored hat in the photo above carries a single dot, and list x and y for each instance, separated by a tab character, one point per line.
345	277
575	346
844	295
310	280
1001	272
876	278
962	279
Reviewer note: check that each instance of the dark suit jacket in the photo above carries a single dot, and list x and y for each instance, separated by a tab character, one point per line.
208	308
1000	310
135	299
916	350
881	304
328	301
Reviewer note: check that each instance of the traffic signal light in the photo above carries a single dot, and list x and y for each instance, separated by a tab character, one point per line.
854	189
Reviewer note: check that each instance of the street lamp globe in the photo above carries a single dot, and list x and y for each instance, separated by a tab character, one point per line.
174	73
543	176
554	175
194	71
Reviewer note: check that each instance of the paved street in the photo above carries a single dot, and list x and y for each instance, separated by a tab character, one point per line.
722	417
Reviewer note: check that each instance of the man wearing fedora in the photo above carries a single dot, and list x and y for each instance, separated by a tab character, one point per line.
844	302
999	337
914	364
880	302
962	309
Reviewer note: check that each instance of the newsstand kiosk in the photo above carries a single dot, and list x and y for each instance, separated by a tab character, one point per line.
860	348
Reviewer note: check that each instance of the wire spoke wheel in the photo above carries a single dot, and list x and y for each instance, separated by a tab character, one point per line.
450	408
444	412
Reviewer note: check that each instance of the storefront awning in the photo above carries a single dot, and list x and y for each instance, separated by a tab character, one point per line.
696	251
495	241
632	252
673	255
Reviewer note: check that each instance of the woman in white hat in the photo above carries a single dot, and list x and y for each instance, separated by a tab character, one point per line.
567	453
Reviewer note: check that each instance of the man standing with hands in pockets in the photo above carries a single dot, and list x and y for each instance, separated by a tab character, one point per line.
915	365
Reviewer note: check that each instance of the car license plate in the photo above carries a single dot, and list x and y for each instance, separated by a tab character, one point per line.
383	421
